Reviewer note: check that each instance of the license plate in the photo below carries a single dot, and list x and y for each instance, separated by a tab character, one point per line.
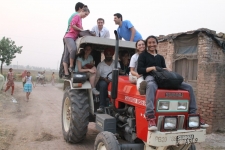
186	139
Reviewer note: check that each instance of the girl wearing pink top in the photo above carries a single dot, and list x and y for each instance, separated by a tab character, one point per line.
70	38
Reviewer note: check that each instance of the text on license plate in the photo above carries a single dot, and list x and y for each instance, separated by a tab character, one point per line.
186	139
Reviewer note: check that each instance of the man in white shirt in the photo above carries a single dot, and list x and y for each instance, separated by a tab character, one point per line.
99	30
103	69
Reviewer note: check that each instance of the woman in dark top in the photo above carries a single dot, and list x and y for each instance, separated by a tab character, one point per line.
146	63
124	63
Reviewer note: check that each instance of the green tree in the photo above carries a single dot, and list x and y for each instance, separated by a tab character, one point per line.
8	51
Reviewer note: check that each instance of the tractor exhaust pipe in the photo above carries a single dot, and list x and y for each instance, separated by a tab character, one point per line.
115	72
115	75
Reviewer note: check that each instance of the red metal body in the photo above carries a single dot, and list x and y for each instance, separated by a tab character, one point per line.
128	94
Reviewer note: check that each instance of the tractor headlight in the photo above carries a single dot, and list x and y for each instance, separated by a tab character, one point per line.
170	123
182	105
164	105
193	121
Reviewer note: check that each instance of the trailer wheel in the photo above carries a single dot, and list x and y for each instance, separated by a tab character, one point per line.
75	115
106	141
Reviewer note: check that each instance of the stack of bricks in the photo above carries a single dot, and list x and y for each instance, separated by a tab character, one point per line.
211	84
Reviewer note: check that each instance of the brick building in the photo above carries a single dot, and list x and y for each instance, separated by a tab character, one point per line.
199	56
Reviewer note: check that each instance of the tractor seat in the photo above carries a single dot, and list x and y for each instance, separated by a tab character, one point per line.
79	77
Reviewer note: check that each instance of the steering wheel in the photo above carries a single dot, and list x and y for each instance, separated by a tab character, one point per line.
107	77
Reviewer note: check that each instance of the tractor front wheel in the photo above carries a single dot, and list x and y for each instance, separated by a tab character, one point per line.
106	141
192	147
75	115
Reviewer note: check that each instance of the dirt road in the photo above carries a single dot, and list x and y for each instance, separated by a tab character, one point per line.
36	125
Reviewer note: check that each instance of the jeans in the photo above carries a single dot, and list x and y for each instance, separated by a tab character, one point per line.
134	79
102	87
151	91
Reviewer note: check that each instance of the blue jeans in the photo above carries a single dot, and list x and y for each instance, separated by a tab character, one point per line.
150	96
102	87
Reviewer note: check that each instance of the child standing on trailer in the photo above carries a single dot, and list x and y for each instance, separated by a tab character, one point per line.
28	85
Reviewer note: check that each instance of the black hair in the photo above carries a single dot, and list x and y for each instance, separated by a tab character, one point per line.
79	5
101	19
82	51
123	53
151	36
118	15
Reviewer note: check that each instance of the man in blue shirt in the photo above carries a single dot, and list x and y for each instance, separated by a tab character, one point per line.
126	30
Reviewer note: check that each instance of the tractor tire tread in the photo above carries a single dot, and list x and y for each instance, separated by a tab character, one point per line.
108	139
79	115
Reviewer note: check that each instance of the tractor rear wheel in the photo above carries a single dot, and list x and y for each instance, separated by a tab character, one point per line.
75	115
106	141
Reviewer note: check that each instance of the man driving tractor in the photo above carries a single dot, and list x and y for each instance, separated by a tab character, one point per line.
103	69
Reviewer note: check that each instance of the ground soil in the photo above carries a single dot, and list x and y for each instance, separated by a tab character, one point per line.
36	124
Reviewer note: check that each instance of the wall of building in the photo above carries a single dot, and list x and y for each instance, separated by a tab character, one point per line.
211	83
166	49
210	88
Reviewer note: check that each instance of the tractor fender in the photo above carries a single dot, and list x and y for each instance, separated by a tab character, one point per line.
86	85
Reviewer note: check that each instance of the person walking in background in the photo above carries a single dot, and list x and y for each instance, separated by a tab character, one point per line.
100	30
28	85
23	75
53	79
70	44
10	81
126	29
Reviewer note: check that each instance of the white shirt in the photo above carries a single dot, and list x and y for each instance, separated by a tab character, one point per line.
134	61
28	80
103	33
104	69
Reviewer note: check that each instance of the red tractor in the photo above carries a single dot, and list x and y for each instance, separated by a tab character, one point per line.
124	118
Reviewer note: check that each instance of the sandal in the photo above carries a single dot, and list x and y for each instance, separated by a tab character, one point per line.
70	69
